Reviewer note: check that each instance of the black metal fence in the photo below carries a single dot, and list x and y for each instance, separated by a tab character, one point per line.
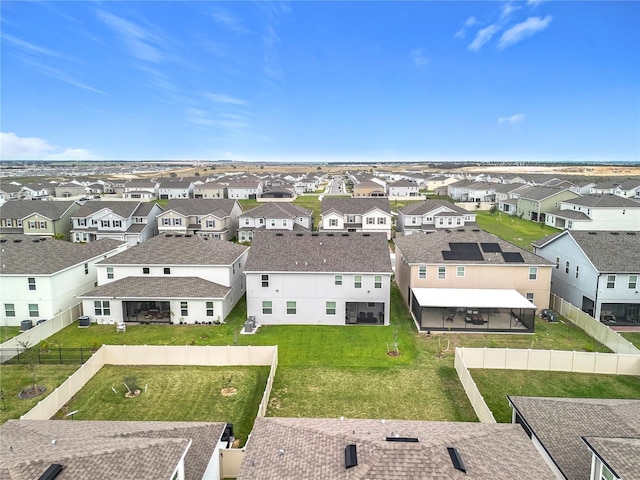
52	356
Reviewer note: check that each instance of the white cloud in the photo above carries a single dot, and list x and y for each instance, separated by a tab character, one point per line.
526	29
13	147
470	22
228	20
418	57
483	36
136	39
517	118
223	98
31	48
507	9
535	3
63	76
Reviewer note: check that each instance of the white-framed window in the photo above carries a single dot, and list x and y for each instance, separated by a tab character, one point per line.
209	307
377	281
86	269
382	220
577	271
184	308
333	222
9	310
32	225
117	223
460	271
357	281
284	223
633	282
566	267
105	223
442	272
273	222
265	280
247	221
42	224
34	311
422	271
211	223
291	308
167	270
611	281
110	272
267	307
31	281
177	221
166	221
82	222
145	270
371	221
101	307
414	220
533	273
557	262
337	280
330	308
530	297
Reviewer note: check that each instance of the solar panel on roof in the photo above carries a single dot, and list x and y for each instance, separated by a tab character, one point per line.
512	257
490	247
462	255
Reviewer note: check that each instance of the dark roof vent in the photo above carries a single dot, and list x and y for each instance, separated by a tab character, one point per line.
614	233
169	235
314	234
188	235
592	233
178	235
402	439
350	456
42	239
475	230
631	233
366	234
329	234
448	231
278	235
36	241
299	234
345	234
461	230
17	241
3	240
456	459
51	472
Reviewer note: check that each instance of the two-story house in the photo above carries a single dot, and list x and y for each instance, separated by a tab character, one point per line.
9	191
168	189
466	279
533	203
210	189
216	218
597	272
356	215
370	188
140	190
403	189
432	214
70	189
318	278
596	212
52	219
41	277
274	216
131	222
244	189
169	279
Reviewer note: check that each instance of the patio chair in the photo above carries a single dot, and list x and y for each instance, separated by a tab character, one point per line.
121	327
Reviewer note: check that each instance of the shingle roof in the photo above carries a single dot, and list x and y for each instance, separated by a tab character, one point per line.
429	206
567	213
603	201
144	209
23	208
219	207
170	249
616	252
318	252
159	287
355	206
124	209
100	449
539	193
560	422
310	449
277	210
428	247
621	454
28	255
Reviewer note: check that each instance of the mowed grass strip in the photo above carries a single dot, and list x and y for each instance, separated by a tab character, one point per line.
513	229
633	337
400	393
175	393
8	332
15	378
495	385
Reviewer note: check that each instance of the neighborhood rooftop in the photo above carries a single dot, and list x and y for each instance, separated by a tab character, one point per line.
178	249
319	252
26	254
277	210
354	206
220	207
159	288
23	208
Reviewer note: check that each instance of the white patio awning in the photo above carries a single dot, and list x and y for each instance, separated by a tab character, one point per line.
471	297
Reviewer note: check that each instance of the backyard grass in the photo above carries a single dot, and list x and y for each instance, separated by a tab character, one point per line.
633	337
513	229
8	332
174	393
495	385
15	378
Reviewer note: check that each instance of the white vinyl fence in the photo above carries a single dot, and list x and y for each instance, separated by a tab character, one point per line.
593	327
544	360
35	335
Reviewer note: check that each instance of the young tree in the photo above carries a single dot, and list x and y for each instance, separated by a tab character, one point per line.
29	355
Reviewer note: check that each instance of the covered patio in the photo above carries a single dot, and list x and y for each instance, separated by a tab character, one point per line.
472	310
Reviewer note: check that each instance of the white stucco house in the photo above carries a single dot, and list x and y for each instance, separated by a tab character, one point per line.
175	189
596	212
431	215
274	217
171	278
211	217
367	215
598	272
318	278
41	277
403	188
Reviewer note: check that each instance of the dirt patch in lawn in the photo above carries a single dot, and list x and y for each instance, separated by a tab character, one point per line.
228	391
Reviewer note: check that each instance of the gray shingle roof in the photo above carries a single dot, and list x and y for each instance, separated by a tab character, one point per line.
277	210
560	422
603	201
428	247
159	287
179	250
314	449
100	449
23	208
125	209
318	252
355	206
539	193
28	255
621	454
429	206
615	252
219	207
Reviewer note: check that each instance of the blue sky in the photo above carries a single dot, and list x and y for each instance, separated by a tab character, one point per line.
321	81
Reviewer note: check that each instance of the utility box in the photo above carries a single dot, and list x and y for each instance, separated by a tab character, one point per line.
250	324
26	325
84	321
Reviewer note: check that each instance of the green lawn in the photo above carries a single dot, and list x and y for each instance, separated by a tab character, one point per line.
313	203
174	394
8	332
633	337
495	385
513	229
